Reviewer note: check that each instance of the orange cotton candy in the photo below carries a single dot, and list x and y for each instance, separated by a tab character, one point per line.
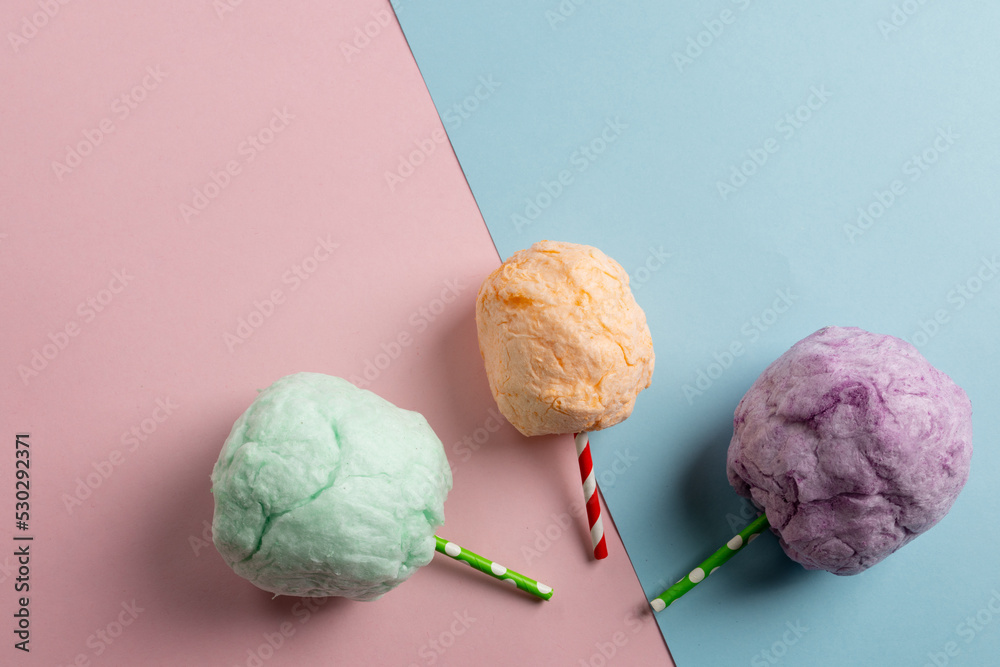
565	344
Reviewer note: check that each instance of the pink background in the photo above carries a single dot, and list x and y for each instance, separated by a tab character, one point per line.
134	536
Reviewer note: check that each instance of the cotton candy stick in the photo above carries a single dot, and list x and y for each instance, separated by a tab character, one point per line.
711	564
495	570
590	496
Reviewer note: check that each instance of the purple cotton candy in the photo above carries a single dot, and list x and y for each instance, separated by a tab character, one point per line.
853	444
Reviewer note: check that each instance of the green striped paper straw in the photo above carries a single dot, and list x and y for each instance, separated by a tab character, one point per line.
711	564
495	570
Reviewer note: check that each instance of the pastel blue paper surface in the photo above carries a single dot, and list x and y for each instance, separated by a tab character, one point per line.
761	170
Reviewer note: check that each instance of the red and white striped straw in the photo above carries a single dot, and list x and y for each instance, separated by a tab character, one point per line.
590	495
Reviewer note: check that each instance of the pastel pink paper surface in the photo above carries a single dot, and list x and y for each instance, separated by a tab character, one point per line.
395	298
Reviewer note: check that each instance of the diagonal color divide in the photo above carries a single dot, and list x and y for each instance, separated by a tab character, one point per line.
761	170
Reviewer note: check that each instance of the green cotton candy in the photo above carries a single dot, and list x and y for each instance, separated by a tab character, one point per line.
325	489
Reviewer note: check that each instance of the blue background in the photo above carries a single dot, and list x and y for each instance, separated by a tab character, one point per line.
643	109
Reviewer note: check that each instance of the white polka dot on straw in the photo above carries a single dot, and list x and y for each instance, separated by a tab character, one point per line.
493	569
711	564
